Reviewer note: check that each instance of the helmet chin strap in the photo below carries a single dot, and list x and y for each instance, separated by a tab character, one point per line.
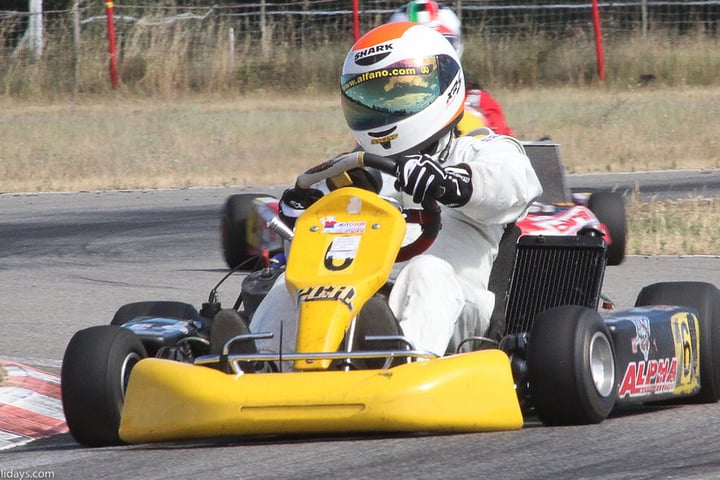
437	150
442	148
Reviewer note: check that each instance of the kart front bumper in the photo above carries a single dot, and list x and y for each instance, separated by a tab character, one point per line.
470	392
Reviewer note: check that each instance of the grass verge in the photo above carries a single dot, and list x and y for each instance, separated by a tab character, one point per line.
674	227
122	141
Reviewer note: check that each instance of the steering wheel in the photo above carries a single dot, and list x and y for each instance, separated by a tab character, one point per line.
428	217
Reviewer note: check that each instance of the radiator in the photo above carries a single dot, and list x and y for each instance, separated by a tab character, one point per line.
553	271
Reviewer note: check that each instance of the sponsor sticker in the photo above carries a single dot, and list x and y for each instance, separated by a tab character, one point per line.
341	293
344	247
331	225
645	378
685	328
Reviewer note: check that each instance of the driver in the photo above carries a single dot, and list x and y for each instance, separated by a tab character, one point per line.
402	96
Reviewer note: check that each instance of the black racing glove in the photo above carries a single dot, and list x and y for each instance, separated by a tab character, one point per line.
294	201
420	176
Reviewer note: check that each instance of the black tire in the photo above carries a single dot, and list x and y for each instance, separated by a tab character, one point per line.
376	319
571	366
94	375
233	225
609	208
228	324
168	309
705	297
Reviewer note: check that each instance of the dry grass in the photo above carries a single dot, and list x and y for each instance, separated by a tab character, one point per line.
120	142
621	130
674	227
123	141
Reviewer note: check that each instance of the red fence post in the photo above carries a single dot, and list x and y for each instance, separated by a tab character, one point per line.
356	20
598	41
111	44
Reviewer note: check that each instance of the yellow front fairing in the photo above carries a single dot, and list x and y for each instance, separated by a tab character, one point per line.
344	248
471	392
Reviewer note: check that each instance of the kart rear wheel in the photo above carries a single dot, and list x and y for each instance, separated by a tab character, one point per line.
94	376
233	227
168	309
571	366
705	297
609	208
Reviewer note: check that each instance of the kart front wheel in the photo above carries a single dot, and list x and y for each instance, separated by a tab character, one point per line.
705	297
94	376
571	366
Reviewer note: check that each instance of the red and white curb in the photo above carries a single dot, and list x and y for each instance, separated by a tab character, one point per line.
30	405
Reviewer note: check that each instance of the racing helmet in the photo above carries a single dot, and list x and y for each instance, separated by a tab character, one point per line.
434	15
402	89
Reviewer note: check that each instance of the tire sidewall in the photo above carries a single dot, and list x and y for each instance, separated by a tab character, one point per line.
561	385
92	382
596	407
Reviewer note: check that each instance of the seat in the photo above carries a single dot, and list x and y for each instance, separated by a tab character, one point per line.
500	279
545	158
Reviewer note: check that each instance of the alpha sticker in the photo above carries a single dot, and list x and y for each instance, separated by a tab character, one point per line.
651	377
678	374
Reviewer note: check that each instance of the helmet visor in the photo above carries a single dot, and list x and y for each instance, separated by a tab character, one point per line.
387	95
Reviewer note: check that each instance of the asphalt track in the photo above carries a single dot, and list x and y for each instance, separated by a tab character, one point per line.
653	185
69	260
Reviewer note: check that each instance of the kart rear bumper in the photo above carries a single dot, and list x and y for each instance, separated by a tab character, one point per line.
470	392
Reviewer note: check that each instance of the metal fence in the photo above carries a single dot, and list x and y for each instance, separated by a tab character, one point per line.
311	21
70	45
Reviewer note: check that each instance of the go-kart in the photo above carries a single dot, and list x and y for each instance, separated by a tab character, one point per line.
162	371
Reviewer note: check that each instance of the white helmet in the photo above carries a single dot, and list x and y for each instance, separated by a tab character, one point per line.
402	89
434	15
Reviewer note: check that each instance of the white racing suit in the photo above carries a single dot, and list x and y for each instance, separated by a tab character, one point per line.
441	296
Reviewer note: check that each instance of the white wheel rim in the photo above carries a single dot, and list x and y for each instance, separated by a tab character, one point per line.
130	360
602	364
